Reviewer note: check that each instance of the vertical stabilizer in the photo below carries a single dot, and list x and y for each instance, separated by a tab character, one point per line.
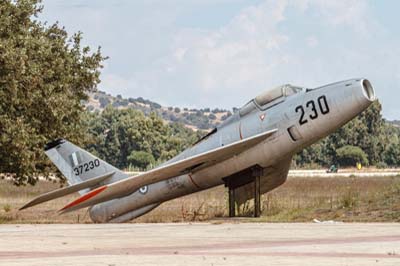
78	165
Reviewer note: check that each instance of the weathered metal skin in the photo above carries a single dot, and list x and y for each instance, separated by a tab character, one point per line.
324	109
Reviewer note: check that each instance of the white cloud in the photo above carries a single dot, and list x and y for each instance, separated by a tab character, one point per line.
305	42
208	66
352	13
228	65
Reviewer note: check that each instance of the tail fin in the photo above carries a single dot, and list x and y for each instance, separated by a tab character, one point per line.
78	165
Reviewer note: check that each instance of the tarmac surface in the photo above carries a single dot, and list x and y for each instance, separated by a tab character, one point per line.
201	244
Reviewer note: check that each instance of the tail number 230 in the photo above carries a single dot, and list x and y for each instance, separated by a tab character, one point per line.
310	105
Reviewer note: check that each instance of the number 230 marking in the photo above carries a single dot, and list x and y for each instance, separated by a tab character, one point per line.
323	108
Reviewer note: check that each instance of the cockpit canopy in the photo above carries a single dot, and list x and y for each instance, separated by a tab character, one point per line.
276	93
270	98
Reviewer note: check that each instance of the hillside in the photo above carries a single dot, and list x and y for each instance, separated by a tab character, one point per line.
195	119
203	119
395	123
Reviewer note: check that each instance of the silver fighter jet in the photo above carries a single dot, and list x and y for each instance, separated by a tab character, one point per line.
267	131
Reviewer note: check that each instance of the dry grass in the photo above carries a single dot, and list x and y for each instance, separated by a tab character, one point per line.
373	199
12	198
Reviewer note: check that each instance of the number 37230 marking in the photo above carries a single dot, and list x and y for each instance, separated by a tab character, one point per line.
323	108
86	167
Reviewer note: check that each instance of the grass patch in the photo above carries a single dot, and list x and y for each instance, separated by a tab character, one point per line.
6	208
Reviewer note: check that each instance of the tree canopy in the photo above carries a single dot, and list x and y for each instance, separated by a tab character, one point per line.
126	137
350	155
44	75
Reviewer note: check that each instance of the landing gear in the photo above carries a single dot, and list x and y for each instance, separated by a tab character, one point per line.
247	176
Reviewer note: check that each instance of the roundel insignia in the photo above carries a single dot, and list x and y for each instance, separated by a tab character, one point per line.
143	190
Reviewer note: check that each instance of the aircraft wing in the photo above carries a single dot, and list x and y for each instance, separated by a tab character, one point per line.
131	184
67	190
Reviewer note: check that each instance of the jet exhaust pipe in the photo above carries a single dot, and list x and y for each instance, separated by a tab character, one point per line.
98	215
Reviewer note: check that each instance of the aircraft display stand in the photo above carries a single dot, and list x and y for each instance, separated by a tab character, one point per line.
242	178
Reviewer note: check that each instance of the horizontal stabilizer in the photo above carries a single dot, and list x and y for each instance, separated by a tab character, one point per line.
67	190
164	172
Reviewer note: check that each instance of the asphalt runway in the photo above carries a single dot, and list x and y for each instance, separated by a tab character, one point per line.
200	244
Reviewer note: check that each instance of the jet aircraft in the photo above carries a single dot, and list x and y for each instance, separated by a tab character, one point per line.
267	131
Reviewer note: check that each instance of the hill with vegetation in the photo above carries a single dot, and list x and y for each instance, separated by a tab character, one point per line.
195	119
395	123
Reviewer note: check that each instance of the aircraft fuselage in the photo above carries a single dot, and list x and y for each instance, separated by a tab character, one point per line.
301	118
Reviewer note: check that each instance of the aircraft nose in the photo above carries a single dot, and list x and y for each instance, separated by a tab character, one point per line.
368	91
362	94
358	95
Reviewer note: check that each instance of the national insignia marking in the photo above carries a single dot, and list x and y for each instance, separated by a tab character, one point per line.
143	190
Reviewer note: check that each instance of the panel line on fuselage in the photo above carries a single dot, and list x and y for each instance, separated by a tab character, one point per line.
194	183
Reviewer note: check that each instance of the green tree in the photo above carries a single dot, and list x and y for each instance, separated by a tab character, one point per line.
44	75
141	159
116	133
312	155
391	155
350	155
368	131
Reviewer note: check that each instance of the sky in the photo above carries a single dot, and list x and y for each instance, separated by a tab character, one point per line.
221	53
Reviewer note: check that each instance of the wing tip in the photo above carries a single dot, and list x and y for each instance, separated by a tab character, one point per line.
24	207
28	205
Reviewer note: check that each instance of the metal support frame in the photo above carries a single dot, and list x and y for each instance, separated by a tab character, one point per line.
257	197
231	202
247	176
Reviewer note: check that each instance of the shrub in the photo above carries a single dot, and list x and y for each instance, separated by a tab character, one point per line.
381	165
104	102
392	155
7	208
351	155
141	159
212	116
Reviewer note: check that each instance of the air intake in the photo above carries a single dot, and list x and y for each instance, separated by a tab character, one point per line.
368	90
